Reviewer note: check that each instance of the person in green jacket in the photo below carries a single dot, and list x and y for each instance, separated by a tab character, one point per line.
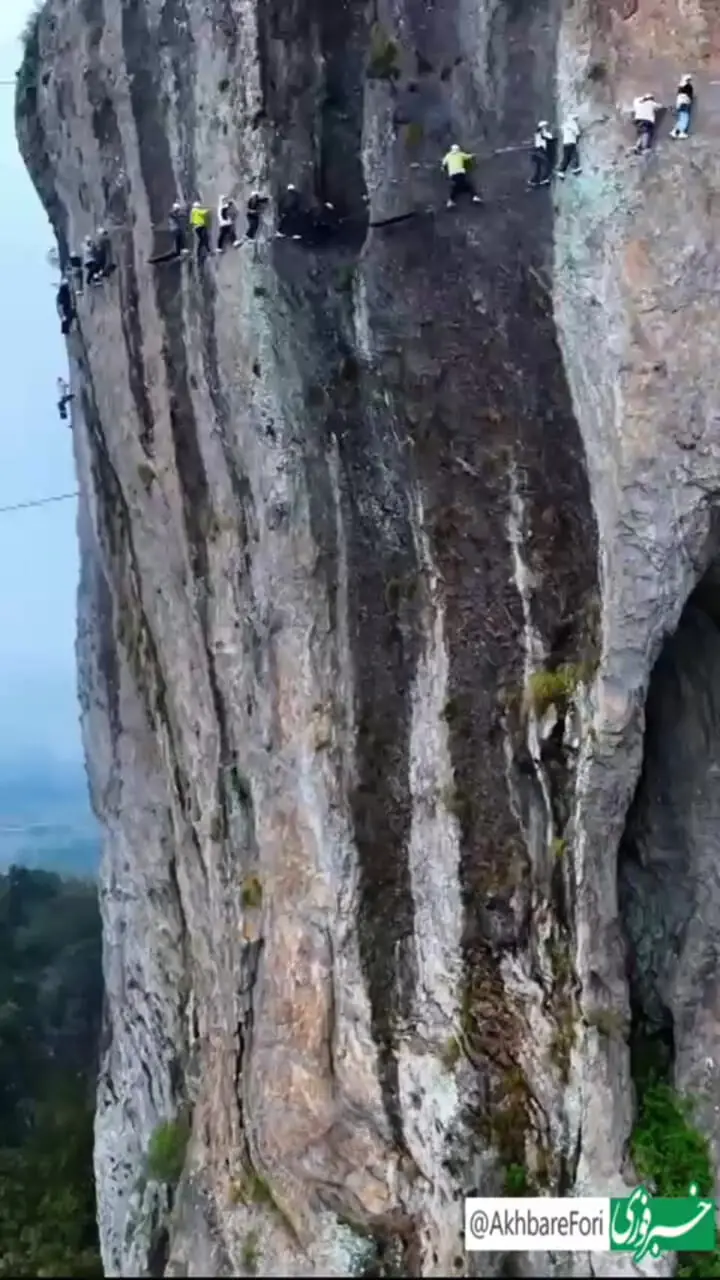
200	218
456	165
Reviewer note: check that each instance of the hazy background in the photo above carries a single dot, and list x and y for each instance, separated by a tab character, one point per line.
41	771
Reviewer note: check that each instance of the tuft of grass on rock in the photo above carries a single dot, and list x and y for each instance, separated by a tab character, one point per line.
166	1150
250	1254
451	1053
383	60
554	688
252	893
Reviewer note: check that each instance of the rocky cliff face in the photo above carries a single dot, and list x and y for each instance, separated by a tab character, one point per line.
380	546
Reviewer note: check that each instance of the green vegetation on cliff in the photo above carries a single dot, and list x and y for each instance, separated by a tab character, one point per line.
50	1007
671	1153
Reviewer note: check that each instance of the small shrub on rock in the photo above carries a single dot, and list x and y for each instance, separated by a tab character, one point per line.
166	1150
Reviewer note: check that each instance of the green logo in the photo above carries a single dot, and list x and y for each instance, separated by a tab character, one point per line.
642	1225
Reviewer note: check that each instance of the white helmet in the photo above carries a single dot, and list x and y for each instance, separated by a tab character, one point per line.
543	124
454	147
686	80
197	204
291	186
176	206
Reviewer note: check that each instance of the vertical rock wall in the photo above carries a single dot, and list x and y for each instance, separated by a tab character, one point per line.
343	604
636	265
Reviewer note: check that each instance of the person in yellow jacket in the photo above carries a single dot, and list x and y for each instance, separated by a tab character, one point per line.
200	223
456	165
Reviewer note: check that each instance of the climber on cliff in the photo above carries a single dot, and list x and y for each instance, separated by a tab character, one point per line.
645	113
294	218
104	252
177	222
570	154
684	104
92	260
457	164
64	398
200	223
227	217
65	306
542	155
76	271
253	213
324	222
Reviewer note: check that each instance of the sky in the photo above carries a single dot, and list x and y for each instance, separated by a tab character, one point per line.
38	547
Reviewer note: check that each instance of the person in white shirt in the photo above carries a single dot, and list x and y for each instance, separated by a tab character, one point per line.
570	154
645	110
541	156
227	214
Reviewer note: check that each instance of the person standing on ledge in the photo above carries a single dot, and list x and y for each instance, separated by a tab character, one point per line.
645	113
200	223
253	213
177	222
227	217
456	164
684	104
570	155
65	306
542	155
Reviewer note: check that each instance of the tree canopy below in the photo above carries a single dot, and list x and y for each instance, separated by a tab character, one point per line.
50	1012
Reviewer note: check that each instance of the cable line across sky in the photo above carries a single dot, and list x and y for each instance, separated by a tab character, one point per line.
38	502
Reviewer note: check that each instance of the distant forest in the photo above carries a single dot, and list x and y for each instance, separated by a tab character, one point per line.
50	1011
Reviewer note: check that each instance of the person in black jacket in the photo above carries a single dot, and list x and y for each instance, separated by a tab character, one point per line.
104	252
178	224
294	218
76	269
65	306
253	213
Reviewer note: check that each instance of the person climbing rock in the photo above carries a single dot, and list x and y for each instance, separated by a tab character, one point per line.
65	306
92	260
645	112
542	155
684	104
76	268
200	223
177	222
104	252
227	217
325	222
64	398
253	213
294	219
456	164
570	154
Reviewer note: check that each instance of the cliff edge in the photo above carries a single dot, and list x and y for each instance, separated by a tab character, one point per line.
381	544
